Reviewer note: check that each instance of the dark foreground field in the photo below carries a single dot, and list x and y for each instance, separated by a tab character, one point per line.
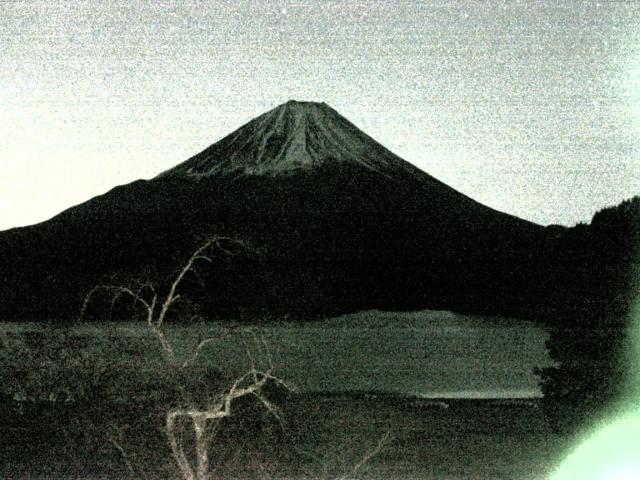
324	436
90	400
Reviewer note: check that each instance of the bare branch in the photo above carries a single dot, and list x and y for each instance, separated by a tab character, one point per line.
271	408
267	351
113	302
222	408
201	257
152	308
236	392
202	453
196	352
176	447
372	453
171	296
250	357
220	247
117	291
164	342
136	472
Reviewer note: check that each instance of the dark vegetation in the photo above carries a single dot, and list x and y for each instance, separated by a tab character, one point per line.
72	409
596	276
323	436
73	404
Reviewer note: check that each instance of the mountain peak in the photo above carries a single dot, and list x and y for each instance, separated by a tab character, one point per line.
295	136
302	104
303	109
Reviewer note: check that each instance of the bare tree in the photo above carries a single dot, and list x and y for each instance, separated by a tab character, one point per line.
156	307
249	384
333	464
146	295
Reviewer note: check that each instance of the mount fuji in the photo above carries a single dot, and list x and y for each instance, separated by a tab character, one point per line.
340	223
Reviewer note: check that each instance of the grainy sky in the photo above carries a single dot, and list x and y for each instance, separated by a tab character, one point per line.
532	108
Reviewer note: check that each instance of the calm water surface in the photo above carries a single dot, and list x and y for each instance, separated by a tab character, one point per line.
428	353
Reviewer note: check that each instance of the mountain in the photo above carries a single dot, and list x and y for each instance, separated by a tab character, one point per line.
338	223
294	137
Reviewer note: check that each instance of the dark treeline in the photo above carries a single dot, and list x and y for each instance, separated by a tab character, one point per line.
594	284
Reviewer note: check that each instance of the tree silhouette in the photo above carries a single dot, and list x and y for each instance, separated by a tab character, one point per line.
592	289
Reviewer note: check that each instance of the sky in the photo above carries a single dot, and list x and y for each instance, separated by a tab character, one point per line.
532	108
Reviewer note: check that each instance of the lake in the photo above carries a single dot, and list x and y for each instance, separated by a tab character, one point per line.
426	353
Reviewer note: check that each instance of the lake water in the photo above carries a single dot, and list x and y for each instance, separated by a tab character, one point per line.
432	354
427	353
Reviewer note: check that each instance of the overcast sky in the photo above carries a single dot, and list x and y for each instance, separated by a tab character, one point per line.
532	108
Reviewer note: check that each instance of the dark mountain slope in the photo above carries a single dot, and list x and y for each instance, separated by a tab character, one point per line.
341	224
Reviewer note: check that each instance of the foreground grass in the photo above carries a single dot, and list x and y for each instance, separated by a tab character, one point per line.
324	436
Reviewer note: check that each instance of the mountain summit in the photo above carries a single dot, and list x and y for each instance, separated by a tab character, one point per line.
295	136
